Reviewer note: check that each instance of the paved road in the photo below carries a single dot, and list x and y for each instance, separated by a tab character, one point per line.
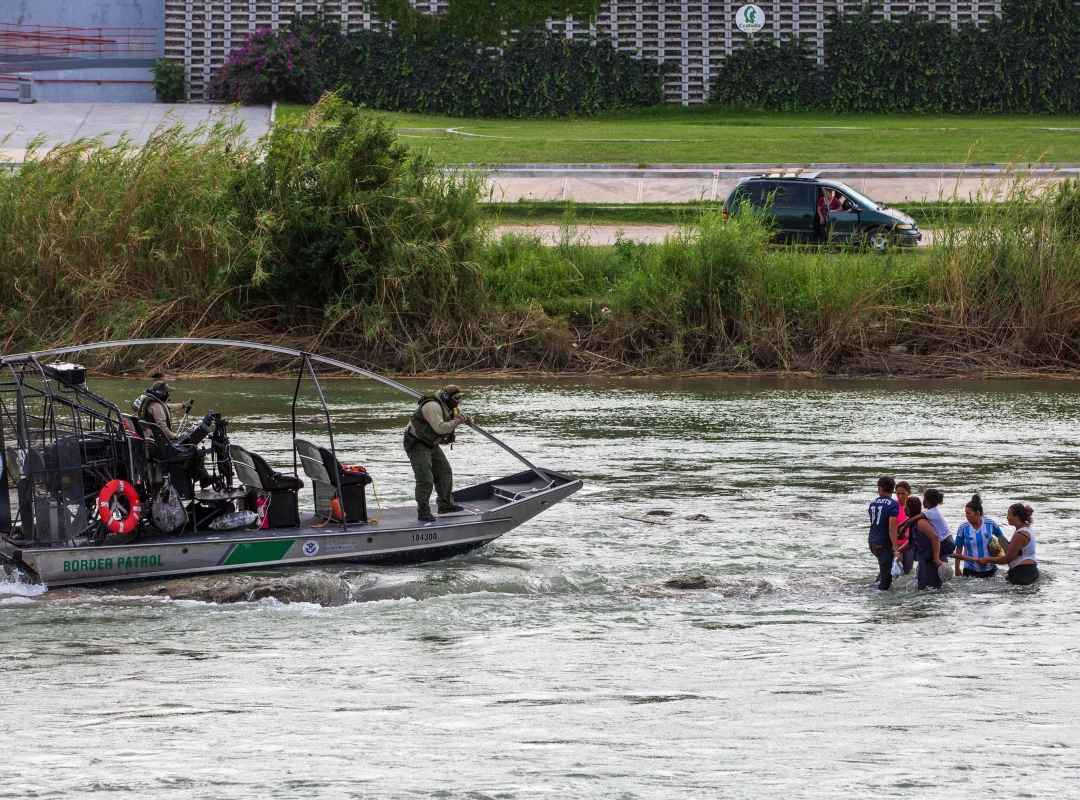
679	183
63	122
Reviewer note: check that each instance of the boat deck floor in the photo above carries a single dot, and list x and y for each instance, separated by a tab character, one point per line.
398	518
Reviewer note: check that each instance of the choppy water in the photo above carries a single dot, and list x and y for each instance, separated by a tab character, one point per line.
563	660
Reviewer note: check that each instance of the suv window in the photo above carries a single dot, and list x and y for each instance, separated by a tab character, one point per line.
795	195
756	193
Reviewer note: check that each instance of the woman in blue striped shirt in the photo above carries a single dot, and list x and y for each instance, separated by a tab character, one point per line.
973	541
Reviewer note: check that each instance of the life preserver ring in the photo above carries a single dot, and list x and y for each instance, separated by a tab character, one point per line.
105	498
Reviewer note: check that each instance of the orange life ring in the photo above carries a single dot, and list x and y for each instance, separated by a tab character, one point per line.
105	498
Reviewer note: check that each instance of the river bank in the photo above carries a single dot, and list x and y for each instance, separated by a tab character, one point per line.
334	237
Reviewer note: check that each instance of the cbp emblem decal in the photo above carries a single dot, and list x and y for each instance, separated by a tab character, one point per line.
311	547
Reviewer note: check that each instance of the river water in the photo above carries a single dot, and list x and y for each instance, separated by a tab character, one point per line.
589	654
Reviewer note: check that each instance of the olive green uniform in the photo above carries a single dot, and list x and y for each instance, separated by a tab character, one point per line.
432	424
160	412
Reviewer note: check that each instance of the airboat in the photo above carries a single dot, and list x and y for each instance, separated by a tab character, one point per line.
95	495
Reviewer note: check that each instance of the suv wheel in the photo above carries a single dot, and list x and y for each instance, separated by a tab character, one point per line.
878	239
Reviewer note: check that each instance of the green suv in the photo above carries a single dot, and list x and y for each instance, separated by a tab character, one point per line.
796	201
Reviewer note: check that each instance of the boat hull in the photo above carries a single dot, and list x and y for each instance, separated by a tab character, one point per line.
398	537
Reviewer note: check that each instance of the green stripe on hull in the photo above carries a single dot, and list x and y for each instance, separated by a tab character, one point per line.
256	552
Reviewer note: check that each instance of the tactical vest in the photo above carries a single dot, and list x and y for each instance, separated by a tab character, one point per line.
423	431
145	402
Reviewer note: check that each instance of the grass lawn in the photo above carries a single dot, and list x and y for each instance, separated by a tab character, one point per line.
705	135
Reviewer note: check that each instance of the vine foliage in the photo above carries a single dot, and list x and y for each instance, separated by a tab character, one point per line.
1026	62
427	65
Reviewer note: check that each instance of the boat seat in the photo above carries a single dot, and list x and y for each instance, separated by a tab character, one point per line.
328	477
255	473
279	490
173	460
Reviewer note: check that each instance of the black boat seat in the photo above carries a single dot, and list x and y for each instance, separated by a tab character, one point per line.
174	460
255	473
345	476
329	478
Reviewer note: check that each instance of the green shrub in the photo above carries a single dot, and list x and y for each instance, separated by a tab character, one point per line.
169	81
351	229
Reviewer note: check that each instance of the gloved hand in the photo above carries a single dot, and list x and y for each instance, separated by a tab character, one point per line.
189	403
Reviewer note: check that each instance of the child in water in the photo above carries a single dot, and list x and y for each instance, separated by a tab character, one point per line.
927	546
973	541
907	554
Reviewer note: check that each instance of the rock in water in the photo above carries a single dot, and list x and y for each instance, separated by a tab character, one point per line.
687	582
301	587
659	512
699	518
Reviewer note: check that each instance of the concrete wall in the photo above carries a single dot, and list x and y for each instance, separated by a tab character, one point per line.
102	85
693	35
89	14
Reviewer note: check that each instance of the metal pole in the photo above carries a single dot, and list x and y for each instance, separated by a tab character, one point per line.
296	394
268	348
333	450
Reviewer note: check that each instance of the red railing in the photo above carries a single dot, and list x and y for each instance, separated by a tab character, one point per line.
9	84
63	41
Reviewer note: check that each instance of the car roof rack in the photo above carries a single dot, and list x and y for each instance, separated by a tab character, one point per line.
797	172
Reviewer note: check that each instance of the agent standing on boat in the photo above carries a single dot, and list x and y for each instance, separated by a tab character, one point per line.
432	425
883	536
154	406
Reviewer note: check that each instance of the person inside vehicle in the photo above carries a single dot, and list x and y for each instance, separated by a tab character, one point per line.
823	213
154	406
432	425
836	200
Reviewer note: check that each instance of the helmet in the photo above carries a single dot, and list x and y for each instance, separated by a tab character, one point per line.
161	389
450	393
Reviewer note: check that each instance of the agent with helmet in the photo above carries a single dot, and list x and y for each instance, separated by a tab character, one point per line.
154	406
433	424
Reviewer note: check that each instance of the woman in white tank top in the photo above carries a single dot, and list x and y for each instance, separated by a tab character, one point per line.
1020	557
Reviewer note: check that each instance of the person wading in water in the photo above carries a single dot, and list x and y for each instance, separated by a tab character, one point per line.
883	538
433	425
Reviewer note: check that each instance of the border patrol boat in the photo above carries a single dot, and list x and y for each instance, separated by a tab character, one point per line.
94	495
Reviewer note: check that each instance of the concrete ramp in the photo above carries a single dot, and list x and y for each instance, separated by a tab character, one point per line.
64	122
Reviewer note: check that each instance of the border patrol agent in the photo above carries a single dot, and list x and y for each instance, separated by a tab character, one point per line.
433	425
154	406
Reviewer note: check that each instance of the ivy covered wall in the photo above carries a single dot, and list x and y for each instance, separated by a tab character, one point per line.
1028	61
427	66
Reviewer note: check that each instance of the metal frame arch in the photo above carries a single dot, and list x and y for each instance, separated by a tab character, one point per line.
269	348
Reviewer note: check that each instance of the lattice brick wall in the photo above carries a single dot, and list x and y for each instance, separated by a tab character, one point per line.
695	35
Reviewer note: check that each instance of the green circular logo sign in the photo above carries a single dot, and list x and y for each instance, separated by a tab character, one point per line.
750	19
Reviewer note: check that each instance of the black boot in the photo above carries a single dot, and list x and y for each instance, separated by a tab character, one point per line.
425	516
450	509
